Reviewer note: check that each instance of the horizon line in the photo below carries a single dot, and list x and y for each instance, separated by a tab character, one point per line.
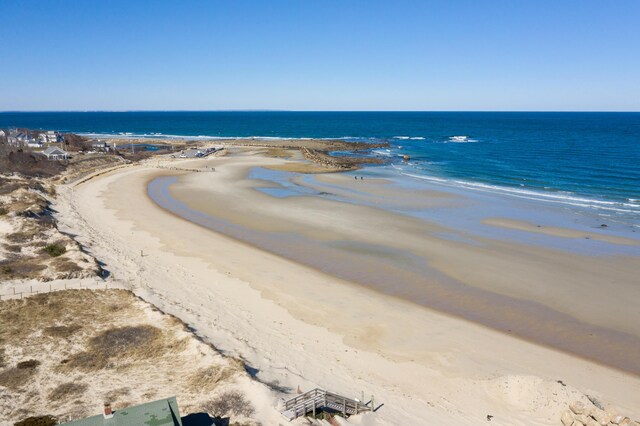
310	110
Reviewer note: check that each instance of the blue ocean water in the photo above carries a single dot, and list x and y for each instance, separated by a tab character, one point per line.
587	160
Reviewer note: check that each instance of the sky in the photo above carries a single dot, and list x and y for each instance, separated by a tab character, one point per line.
464	55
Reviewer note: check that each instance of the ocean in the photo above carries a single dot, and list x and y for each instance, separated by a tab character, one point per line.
582	160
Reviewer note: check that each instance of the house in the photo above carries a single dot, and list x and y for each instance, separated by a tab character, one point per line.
163	412
51	137
35	143
17	138
55	153
100	146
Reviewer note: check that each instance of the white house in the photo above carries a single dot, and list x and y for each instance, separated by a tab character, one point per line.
55	153
100	146
33	143
51	137
17	138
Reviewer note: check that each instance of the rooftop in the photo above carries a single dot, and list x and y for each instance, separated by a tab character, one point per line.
157	413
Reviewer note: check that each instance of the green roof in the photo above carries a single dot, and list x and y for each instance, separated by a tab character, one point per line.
163	412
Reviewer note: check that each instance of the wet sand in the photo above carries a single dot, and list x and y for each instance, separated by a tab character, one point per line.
554	298
298	325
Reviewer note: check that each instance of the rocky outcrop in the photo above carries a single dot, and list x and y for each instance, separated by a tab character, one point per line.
581	414
337	163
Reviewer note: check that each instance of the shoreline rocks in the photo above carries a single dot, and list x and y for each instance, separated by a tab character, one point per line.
580	414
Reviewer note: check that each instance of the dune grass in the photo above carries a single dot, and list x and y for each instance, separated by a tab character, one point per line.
55	250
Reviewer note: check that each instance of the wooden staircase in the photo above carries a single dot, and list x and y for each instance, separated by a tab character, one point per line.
319	399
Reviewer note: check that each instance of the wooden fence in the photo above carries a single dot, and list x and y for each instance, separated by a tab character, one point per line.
20	291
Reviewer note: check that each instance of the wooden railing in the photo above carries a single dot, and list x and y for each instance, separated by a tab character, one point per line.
319	399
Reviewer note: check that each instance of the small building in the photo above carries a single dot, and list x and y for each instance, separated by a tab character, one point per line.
163	412
51	137
101	146
55	153
17	138
2	133
35	143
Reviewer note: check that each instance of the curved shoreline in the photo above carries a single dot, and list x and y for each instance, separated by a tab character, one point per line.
527	319
357	341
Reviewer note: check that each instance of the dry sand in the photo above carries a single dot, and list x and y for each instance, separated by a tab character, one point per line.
300	326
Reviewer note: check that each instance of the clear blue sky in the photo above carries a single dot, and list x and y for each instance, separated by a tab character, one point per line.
320	55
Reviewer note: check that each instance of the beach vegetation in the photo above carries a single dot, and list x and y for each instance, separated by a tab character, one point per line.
208	378
21	267
230	403
15	378
24	365
21	237
55	250
67	391
46	420
138	342
87	336
61	331
66	266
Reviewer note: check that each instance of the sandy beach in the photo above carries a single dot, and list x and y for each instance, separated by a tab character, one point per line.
313	292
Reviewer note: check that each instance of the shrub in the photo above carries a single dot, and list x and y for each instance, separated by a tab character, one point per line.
55	250
32	363
38	421
3	211
63	331
15	378
228	404
140	342
67	391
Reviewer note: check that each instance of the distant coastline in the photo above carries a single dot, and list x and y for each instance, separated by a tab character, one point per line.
586	161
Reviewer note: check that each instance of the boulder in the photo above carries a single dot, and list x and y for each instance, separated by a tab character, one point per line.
591	422
602	417
625	422
616	420
582	418
567	418
578	407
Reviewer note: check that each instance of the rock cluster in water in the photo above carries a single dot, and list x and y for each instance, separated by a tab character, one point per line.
580	414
